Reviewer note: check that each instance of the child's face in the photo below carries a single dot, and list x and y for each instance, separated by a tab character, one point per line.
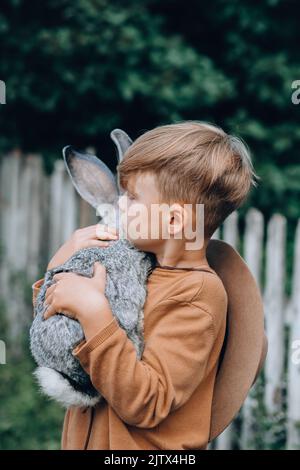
138	206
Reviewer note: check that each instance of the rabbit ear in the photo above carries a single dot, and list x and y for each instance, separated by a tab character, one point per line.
122	142
92	179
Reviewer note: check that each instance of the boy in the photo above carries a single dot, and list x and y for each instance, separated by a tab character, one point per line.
164	400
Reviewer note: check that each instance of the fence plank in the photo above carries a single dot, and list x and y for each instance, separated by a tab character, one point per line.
274	311
253	248
55	209
293	418
10	262
69	209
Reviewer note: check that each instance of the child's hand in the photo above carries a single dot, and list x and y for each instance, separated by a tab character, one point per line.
76	296
83	238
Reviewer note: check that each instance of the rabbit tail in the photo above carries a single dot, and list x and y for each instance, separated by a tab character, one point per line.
59	388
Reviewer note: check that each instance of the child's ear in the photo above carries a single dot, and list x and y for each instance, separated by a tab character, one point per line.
177	220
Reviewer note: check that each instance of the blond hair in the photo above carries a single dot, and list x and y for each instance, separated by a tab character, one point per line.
194	162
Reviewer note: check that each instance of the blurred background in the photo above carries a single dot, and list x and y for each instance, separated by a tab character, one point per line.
75	70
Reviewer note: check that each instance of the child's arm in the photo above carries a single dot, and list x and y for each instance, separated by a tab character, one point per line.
144	392
94	235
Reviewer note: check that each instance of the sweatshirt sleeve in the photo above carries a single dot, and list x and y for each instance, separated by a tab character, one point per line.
144	392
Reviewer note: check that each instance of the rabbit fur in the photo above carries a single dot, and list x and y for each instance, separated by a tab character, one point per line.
52	341
59	374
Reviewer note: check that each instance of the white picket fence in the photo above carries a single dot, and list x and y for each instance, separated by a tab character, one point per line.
39	212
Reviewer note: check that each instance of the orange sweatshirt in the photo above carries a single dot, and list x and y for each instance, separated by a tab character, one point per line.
164	400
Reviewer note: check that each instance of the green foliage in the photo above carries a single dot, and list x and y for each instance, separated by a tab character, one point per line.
76	70
92	64
27	419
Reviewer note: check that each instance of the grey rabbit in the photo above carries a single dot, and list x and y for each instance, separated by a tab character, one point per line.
59	374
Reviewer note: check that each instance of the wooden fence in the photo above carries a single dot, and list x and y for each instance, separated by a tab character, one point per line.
39	212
